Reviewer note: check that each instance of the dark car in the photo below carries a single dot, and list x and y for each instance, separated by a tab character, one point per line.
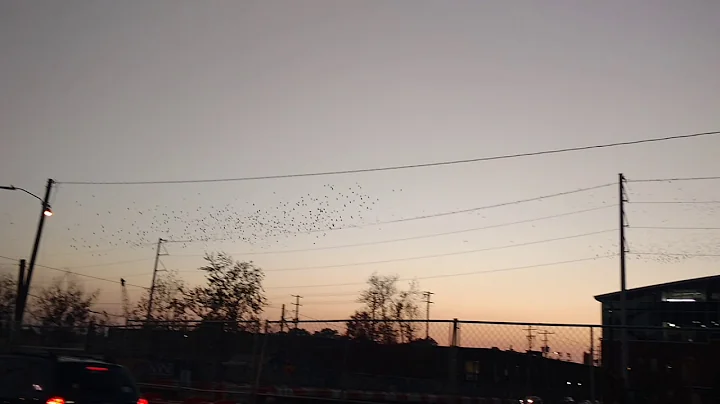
51	379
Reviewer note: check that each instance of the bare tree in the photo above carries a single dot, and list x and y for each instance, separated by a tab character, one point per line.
406	310
378	297
170	307
360	326
233	292
385	306
64	304
8	291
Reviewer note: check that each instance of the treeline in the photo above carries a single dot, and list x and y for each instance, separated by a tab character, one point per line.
389	315
231	294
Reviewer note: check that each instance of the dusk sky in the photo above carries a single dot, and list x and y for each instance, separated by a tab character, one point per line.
136	90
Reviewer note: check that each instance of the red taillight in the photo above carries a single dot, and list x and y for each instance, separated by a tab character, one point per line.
142	401
55	400
96	369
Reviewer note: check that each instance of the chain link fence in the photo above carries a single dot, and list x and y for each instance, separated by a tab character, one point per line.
448	357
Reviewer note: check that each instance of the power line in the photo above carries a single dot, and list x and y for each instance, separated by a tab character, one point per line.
105	313
9	259
108	264
498	205
333	302
674	202
77	274
492	271
321	295
677	179
143	274
454	212
672	228
89	310
89	276
403	167
440	255
495	226
315	319
99	251
102	265
688	255
431	256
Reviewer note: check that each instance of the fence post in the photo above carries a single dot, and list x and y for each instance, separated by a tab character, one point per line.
344	371
454	337
453	358
529	364
592	364
89	333
259	367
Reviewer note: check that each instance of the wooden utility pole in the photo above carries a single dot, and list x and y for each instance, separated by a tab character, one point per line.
297	309
125	301
545	348
530	337
427	313
154	278
282	319
623	285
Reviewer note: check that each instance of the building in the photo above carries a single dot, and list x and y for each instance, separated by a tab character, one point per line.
673	306
673	338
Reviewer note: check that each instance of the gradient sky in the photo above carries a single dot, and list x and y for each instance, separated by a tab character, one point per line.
171	90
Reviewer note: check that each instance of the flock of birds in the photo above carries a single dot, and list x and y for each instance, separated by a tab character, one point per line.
134	226
685	220
99	228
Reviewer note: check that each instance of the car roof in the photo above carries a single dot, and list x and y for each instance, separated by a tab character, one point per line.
74	359
60	358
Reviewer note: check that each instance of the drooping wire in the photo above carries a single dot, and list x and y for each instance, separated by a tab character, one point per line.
405	167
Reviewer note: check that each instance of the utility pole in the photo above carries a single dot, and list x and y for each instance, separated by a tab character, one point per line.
297	309
282	319
530	337
545	348
427	314
125	301
623	286
44	212
154	278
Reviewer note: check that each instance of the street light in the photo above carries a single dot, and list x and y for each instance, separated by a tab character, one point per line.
47	211
24	284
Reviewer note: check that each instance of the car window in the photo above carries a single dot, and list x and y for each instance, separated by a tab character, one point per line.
23	376
83	380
